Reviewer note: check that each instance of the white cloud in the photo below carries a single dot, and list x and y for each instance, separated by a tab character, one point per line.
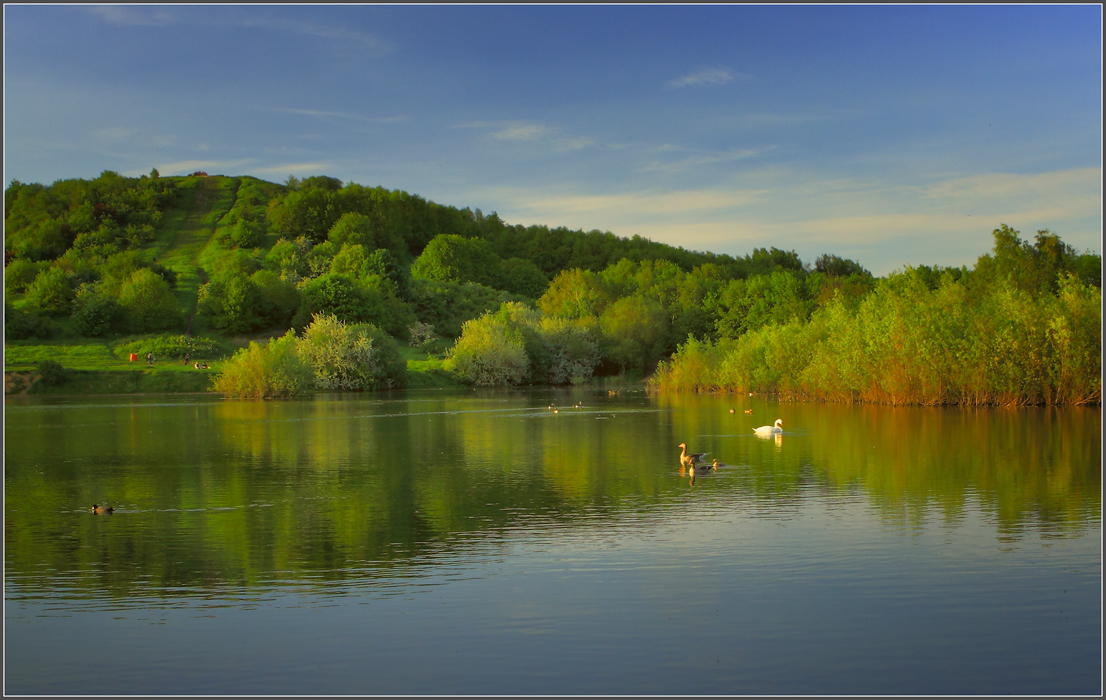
518	131
705	77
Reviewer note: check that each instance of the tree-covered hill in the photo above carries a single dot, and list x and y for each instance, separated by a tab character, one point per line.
236	254
221	256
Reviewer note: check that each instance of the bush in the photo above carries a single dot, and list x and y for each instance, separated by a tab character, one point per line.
273	371
448	305
247	233
350	357
148	303
278	299
95	313
421	334
490	353
51	292
370	300
51	373
520	276
23	325
19	274
453	258
572	349
233	301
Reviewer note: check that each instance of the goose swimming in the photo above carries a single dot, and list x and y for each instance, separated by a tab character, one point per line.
767	430
690	458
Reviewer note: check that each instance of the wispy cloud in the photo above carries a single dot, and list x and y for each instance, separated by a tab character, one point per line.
529	132
630	206
706	159
188	166
371	43
147	15
884	225
293	168
133	15
343	115
517	131
706	77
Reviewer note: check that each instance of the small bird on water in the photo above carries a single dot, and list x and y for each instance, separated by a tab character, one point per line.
102	510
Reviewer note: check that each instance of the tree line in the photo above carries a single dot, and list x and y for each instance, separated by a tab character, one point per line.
530	304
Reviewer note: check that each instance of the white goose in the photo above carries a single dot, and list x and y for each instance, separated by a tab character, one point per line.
770	430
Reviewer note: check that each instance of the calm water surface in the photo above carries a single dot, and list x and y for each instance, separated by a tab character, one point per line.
478	542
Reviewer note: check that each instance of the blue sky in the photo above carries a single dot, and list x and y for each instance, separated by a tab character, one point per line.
891	135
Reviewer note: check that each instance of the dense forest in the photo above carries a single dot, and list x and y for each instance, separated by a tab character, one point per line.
179	262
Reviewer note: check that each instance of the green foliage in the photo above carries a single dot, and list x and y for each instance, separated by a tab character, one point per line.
909	343
572	350
349	260
50	293
749	304
576	294
171	346
20	273
421	334
371	232
97	217
453	258
21	324
247	233
1034	267
51	373
833	266
490	352
635	333
273	371
147	302
521	276
233	301
277	299
517	344
447	305
308	211
350	356
290	259
95	313
335	295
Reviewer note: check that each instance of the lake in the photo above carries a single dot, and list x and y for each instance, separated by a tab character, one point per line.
472	542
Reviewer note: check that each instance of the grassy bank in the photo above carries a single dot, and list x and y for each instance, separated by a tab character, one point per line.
93	368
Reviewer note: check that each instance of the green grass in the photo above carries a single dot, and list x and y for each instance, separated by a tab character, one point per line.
146	381
79	354
188	230
425	371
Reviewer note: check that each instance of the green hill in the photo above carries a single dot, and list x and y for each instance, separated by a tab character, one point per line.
198	266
